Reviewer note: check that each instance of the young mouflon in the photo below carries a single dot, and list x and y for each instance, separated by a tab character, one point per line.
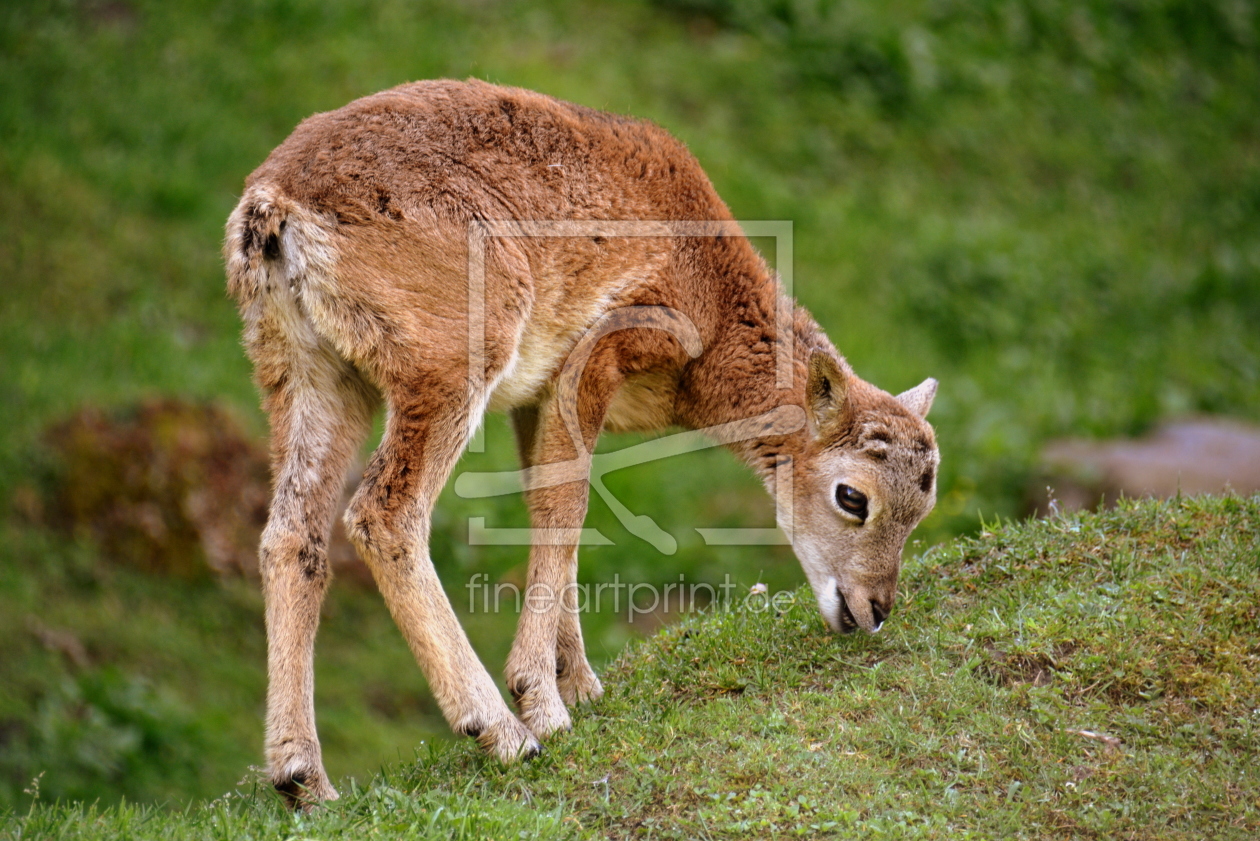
449	248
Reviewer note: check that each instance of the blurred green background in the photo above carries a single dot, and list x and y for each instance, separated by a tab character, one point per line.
1052	206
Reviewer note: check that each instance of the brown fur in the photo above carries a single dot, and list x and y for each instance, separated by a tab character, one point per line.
349	258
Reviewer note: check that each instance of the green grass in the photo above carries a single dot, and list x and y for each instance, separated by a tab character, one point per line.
1053	207
970	716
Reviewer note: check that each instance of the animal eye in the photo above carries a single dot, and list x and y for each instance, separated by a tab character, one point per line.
851	500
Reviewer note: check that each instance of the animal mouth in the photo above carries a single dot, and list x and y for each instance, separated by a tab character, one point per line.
847	623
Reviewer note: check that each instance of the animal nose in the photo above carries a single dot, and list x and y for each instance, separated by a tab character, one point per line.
847	622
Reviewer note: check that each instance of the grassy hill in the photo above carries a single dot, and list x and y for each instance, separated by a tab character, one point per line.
1091	676
1053	207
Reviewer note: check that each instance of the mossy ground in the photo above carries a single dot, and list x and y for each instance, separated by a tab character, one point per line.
1091	676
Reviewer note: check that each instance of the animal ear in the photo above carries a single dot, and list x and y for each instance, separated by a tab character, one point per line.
825	390
919	398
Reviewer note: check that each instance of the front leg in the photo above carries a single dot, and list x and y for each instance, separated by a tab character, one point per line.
575	679
533	665
389	522
547	666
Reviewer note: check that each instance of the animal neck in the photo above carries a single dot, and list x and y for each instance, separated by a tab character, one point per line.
737	377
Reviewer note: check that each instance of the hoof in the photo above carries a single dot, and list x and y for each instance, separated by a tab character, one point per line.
543	712
508	740
579	685
304	792
297	772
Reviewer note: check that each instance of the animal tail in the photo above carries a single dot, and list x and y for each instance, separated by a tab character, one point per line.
253	240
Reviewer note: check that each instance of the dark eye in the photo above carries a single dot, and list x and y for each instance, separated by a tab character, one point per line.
852	501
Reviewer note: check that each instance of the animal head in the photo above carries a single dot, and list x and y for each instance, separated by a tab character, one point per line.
864	479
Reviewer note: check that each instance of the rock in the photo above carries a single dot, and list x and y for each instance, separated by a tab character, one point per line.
168	487
1201	455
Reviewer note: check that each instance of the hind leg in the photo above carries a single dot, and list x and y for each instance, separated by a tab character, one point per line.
389	518
320	412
